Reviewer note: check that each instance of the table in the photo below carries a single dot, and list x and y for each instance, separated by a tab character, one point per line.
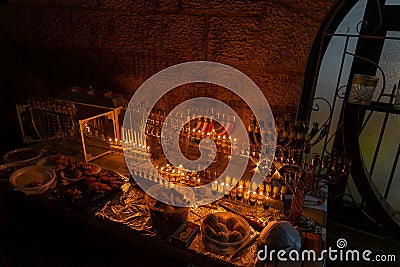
158	244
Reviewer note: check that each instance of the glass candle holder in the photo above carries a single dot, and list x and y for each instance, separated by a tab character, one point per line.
239	193
268	189
247	185
362	89
260	198
221	188
246	195
226	191
266	203
233	193
253	198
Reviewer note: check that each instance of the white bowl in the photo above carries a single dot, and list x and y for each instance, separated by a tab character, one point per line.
22	178
16	166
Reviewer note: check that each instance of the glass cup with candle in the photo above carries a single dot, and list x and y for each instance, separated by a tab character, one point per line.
193	181
260	199
261	188
247	184
362	89
253	186
155	176
239	193
221	188
214	188
233	193
268	189
246	196
228	179
226	190
253	198
266	202
234	181
276	190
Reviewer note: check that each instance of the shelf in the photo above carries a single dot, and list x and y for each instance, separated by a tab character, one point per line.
379	107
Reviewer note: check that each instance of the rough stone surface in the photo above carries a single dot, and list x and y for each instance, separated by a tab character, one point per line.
232	41
48	46
183	38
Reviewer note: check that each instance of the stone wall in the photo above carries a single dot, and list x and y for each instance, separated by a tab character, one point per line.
49	45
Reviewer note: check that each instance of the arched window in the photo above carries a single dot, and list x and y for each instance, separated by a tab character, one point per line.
360	37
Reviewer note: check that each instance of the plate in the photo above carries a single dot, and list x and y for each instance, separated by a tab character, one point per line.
23	155
6	170
79	170
51	162
91	190
33	179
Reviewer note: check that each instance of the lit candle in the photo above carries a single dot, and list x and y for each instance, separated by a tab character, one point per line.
260	198
221	188
253	187
268	188
246	195
239	193
234	181
253	197
227	179
247	184
261	187
266	203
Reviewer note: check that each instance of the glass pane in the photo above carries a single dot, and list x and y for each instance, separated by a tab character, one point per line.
390	63
330	69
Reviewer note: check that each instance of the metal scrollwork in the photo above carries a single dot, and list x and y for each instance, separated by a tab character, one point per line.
340	93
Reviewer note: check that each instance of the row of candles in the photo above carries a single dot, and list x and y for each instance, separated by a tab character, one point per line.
231	187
